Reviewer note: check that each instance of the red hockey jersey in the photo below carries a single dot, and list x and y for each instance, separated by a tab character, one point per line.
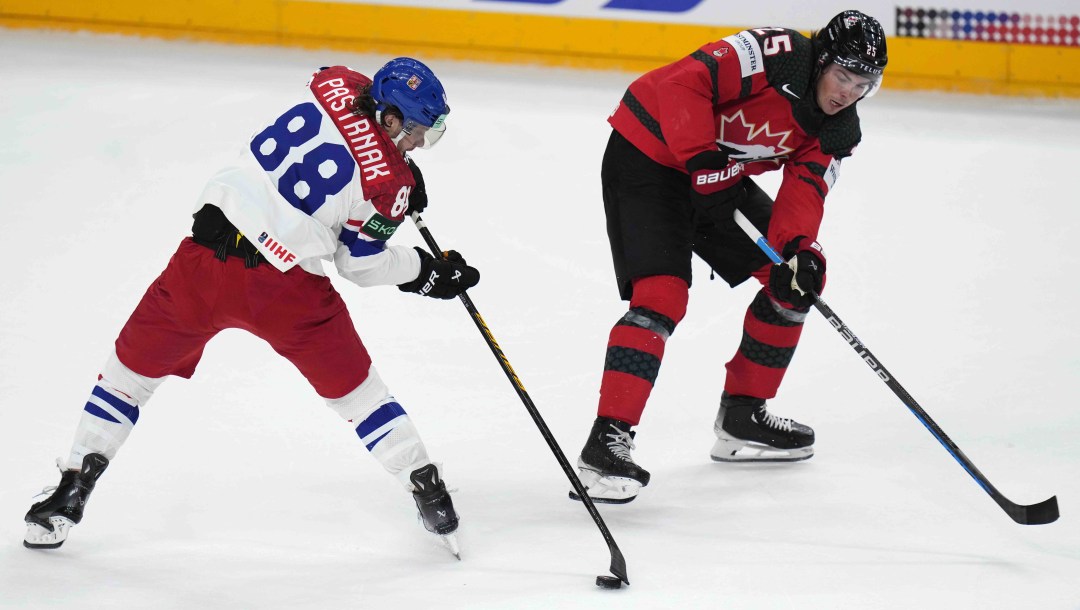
751	96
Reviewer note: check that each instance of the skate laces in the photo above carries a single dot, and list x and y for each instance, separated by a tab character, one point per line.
772	421
620	444
49	489
46	492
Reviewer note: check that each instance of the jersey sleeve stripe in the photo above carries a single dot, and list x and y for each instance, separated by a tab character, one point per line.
813	184
359	246
747	87
714	71
647	120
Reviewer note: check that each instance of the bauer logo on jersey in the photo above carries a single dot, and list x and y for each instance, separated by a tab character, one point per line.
380	227
749	52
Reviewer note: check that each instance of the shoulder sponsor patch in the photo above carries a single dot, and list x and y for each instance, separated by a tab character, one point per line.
832	173
749	52
380	227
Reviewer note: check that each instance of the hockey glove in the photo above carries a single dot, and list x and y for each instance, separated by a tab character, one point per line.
418	195
714	187
442	278
804	271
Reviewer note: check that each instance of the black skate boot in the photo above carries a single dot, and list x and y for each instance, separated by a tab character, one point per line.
747	432
605	466
49	521
435	505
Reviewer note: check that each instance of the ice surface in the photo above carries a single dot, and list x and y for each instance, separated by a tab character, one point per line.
953	244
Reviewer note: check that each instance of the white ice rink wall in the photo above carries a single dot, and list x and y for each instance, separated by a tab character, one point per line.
979	46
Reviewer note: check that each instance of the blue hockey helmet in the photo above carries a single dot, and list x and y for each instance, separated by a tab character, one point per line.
413	89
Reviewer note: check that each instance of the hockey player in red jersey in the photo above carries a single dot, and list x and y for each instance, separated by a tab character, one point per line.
328	179
686	139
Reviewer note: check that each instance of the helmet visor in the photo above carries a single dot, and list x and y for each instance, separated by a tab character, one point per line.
421	135
854	75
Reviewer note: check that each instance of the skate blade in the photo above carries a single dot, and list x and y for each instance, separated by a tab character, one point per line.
736	450
607	490
38	537
447	541
451	543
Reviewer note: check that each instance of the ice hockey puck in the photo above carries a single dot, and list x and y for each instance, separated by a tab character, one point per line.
608	582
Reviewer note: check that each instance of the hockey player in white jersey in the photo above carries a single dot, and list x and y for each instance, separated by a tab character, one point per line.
328	179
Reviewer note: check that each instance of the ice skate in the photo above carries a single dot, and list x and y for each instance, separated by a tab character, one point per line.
605	466
436	508
747	432
49	521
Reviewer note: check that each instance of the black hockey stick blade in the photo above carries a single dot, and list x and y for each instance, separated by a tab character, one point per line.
618	564
1032	514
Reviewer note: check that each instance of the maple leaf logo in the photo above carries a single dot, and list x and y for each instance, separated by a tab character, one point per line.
748	142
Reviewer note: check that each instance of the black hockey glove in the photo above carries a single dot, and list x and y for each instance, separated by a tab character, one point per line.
442	278
803	272
418	195
714	187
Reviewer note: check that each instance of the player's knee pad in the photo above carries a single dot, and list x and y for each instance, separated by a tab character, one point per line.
117	376
363	399
636	343
666	295
769	310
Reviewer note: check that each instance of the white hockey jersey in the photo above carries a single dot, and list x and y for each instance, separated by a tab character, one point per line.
321	182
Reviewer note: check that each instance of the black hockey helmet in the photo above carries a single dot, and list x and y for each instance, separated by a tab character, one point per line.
854	41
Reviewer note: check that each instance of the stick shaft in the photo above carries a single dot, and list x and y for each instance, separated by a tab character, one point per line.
618	563
1043	512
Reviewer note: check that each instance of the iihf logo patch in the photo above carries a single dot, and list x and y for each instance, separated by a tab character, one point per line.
275	248
413	82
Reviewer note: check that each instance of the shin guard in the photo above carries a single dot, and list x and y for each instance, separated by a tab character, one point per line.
383	426
393	440
110	412
636	346
770	334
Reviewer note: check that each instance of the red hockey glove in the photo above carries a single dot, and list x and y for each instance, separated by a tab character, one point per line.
442	278
713	184
804	271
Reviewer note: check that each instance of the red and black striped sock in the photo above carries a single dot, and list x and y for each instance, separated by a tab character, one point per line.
770	334
636	346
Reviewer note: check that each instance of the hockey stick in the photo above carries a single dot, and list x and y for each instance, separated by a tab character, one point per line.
1029	514
618	564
